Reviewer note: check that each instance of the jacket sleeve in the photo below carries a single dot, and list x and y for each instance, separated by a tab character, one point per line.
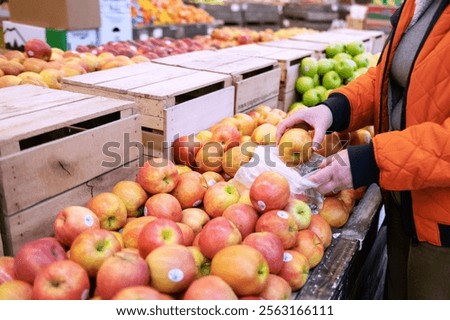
415	158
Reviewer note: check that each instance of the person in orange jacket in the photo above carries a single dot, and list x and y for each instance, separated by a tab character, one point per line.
407	99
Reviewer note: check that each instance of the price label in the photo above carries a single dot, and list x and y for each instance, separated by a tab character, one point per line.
234	7
157	33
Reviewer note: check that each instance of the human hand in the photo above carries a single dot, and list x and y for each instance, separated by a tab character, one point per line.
319	117
334	174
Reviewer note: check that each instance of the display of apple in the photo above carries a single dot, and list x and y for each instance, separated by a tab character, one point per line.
132	230
202	263
309	244
269	191
270	246
61	280
158	175
73	220
190	189
196	218
245	124
295	146
185	148
335	211
38	49
331	80
301	212
322	229
140	293
209	288
109	209
132	195
16	290
212	178
226	135
188	233
295	269
209	157
243	216
6	269
281	223
303	84
163	205
92	247
35	255
217	234
264	134
121	270
276	289
219	197
308	66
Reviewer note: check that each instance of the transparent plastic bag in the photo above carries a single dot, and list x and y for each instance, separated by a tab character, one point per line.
266	158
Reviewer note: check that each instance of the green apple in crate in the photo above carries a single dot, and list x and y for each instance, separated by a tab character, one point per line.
311	97
303	84
331	80
324	65
334	49
345	68
355	48
309	66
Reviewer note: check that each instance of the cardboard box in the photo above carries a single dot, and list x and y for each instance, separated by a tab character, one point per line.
16	34
56	14
115	21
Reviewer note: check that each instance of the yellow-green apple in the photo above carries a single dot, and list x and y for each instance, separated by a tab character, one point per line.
202	263
71	221
269	191
219	197
34	255
52	77
270	246
38	49
226	135
234	158
335	211
109	209
158	233
196	218
295	146
330	145
262	108
132	195
245	139
209	288
309	244
119	237
322	229
9	81
279	112
204	136
172	268
276	289
188	233
16	290
295	269
61	280
158	175
140	293
249	272
183	169
212	178
270	117
34	65
246	124
92	247
280	223
91	61
15	55
185	148
6	269
264	134
163	205
300	211
131	231
190	189
121	270
209	157
243	216
217	234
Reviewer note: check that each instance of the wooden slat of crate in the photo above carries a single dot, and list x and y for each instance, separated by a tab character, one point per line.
37	221
377	37
317	48
285	99
1	246
330	37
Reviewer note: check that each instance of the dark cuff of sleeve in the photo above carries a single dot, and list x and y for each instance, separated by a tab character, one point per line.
363	166
340	109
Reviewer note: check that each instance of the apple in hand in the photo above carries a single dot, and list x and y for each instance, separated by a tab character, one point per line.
163	205
217	234
158	233
61	280
295	146
158	175
109	209
270	246
209	288
269	191
300	211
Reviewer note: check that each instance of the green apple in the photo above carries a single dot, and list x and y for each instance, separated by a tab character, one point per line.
322	91
296	106
324	65
331	80
342	56
345	68
333	49
354	48
308	66
362	60
316	80
311	98
303	84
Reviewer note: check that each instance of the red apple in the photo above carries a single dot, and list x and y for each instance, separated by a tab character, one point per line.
242	267
243	216
212	178
158	175
92	247
270	246
202	263
209	288
172	268
280	223
334	211
73	220
190	189
217	234
16	290
121	270
219	197
195	218
270	191
140	293
209	157
276	289
158	233
300	211
34	255
322	229
6	269
309	244
188	233
109	209
185	148
132	195
37	48
295	269
164	205
61	280
226	135
132	230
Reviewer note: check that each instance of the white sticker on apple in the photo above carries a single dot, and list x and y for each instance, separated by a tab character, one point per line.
88	220
287	257
175	275
282	214
211	182
261	205
85	294
145	211
197	203
30	53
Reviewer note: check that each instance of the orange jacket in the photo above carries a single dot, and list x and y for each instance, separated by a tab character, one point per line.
418	157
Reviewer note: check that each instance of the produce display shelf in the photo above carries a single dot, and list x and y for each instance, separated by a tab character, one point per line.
256	80
44	134
376	37
337	273
176	31
317	48
171	101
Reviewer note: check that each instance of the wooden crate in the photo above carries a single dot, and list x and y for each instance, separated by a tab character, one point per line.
1	246
172	101
37	221
53	140
377	38
317	48
286	98
255	79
